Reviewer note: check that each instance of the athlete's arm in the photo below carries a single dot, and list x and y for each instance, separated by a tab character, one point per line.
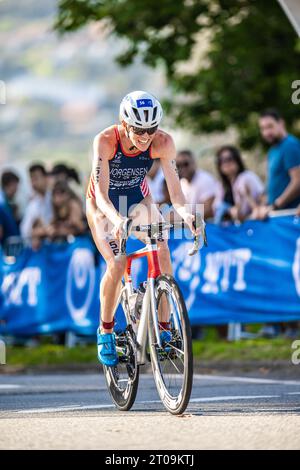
167	154
103	150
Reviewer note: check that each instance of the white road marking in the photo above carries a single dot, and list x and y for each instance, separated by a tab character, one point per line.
146	402
9	386
225	378
230	398
64	408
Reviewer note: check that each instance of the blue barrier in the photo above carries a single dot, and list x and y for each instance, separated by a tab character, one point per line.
248	273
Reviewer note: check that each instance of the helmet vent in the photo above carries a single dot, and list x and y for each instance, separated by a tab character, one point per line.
137	115
146	114
154	113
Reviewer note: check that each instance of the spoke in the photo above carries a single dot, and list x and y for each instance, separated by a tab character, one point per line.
175	366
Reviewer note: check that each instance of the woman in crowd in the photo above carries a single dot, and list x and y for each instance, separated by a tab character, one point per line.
241	190
68	216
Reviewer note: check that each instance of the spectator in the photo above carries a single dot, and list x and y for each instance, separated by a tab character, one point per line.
241	190
283	191
68	216
198	186
8	208
39	209
62	172
155	179
9	187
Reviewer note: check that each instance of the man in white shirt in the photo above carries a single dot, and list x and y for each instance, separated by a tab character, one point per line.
198	186
39	207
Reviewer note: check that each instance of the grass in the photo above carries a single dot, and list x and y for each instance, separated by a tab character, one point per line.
207	350
244	350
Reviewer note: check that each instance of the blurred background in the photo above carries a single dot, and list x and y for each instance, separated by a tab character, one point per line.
215	65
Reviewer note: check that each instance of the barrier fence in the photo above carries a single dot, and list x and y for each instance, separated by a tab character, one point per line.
248	273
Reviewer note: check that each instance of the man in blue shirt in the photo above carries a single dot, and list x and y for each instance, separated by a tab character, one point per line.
283	188
8	223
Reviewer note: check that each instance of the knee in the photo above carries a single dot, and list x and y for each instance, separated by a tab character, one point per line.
115	268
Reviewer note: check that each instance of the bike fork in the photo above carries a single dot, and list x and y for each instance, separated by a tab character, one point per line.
148	308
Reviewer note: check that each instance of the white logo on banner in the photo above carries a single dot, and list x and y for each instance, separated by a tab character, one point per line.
218	268
80	276
14	283
296	267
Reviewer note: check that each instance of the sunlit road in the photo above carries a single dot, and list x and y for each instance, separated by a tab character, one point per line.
75	412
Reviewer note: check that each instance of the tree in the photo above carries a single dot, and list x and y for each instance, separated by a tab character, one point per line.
250	64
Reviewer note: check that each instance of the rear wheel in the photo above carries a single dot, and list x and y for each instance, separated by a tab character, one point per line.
172	364
122	380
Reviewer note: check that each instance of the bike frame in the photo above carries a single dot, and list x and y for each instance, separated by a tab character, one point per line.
149	302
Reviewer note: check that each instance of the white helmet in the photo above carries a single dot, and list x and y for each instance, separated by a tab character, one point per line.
141	109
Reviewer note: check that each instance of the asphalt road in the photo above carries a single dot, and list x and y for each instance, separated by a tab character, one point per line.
75	412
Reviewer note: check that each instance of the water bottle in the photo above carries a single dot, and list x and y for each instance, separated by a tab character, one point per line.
139	299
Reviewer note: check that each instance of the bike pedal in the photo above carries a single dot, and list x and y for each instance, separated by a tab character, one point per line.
123	359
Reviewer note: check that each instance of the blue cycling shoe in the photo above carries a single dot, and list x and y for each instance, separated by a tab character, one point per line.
107	353
166	337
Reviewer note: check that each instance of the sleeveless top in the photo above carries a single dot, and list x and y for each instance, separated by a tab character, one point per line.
127	175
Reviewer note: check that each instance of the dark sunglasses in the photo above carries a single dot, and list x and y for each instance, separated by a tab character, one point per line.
228	159
183	165
140	131
59	191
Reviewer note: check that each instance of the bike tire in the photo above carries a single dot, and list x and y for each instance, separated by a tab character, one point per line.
124	399
175	405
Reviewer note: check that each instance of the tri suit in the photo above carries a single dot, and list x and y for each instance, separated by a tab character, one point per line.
127	177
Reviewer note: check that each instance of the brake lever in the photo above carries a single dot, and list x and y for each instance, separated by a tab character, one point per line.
198	222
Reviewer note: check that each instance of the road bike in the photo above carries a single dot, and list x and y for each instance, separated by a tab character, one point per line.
140	341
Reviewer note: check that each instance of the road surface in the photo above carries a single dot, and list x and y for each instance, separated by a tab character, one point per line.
74	411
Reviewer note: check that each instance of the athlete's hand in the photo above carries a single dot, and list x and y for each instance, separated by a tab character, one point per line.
117	231
189	220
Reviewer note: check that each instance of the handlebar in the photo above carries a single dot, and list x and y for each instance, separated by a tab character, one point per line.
155	231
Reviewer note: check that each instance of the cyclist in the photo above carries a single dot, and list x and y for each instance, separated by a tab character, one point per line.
123	154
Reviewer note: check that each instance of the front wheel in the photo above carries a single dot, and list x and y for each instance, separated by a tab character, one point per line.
172	363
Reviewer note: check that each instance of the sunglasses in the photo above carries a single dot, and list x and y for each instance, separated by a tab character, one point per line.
183	165
226	160
140	131
59	191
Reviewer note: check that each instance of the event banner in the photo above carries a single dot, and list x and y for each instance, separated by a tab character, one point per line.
248	273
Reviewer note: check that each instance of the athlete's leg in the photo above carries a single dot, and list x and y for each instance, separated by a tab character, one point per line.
111	282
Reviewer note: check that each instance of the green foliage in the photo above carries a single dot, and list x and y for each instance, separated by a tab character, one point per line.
251	62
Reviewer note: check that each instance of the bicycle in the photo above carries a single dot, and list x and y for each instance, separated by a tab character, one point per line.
140	341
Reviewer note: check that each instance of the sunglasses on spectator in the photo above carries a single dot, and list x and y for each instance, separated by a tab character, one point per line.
183	164
60	191
227	159
141	131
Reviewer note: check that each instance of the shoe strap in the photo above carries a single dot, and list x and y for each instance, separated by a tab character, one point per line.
106	338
